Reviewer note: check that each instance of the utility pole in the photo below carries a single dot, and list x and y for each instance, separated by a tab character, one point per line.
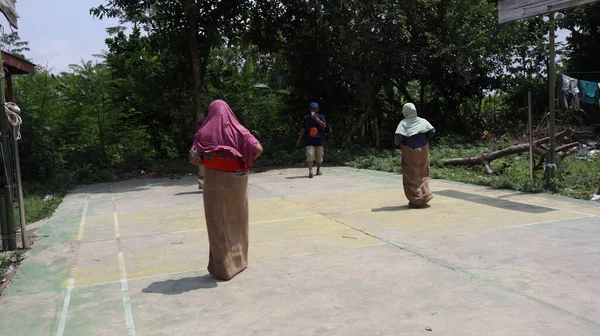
10	241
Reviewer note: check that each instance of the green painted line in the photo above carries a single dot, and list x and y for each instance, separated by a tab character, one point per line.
496	284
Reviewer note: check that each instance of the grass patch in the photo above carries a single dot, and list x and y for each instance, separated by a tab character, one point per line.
42	199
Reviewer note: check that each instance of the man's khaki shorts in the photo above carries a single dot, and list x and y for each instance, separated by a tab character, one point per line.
314	153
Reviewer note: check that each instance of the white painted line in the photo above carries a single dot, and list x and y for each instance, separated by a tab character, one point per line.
63	315
123	271
70	284
125	296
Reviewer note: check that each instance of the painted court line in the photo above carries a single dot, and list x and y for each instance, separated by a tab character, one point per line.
521	226
82	222
123	272
204	271
70	284
253	223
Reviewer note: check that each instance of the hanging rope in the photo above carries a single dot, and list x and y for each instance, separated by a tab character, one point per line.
13	114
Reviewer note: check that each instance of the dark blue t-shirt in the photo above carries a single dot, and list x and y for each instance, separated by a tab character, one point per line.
313	132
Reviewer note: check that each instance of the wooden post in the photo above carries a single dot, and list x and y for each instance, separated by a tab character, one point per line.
6	177
24	238
531	163
552	94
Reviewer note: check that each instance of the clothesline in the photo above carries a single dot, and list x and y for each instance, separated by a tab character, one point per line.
582	72
574	91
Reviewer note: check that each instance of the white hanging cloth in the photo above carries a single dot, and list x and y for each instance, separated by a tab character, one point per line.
8	8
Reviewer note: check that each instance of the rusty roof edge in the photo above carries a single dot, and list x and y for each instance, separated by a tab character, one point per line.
18	58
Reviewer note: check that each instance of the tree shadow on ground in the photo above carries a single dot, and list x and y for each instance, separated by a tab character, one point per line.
180	286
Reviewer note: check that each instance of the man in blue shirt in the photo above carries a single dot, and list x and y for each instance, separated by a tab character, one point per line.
313	126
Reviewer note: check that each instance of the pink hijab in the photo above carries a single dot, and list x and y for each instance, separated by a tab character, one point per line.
222	131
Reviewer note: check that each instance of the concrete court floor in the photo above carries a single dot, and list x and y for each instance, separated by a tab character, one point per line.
336	255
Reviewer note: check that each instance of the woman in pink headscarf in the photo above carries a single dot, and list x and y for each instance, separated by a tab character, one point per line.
227	150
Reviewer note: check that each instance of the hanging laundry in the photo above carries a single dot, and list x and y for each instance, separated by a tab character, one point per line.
7	7
570	95
589	92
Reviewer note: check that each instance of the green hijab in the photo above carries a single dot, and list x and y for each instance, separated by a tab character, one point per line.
412	124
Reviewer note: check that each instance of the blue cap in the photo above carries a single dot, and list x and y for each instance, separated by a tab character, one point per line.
314	105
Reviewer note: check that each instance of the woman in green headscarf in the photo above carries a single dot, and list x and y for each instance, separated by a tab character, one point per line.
412	135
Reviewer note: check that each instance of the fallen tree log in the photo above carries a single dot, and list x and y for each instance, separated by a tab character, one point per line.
486	159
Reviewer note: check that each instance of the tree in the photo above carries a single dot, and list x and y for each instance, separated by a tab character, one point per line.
360	58
197	25
72	124
14	45
154	85
583	45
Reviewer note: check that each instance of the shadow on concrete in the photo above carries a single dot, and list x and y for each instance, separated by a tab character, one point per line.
197	192
297	177
494	202
391	209
399	208
180	286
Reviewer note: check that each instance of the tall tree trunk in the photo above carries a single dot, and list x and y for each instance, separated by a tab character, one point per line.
358	126
377	137
197	74
422	109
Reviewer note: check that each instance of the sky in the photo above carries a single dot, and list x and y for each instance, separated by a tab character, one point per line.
62	32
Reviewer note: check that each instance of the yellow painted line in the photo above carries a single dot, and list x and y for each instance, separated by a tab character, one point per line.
522	225
82	222
204	269
255	223
187	231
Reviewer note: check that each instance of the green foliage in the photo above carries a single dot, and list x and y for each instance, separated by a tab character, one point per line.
13	44
70	123
583	45
260	108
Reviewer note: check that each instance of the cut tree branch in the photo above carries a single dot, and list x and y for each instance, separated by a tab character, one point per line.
486	159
